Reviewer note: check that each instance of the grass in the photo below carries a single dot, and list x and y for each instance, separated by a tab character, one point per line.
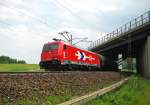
135	92
19	67
36	100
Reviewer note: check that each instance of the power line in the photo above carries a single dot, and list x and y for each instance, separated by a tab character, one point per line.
76	15
82	40
41	21
37	19
16	9
12	29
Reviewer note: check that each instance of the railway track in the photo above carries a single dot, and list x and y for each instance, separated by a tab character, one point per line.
51	72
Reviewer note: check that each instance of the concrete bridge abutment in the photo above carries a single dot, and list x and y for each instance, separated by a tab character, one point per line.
144	60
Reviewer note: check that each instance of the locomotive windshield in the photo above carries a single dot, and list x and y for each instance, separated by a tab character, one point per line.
48	47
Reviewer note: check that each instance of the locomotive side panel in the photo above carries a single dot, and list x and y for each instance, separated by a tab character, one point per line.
73	55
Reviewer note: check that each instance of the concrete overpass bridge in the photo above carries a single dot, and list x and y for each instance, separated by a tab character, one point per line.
130	40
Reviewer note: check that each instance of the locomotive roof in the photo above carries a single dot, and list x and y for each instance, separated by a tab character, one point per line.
58	42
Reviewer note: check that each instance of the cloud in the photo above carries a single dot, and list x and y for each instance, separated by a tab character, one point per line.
25	25
90	5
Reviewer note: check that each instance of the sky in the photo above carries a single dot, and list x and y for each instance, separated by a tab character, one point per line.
25	25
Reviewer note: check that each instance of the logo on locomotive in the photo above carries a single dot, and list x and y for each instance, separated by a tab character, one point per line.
83	56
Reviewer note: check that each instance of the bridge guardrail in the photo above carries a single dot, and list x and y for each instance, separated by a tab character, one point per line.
133	24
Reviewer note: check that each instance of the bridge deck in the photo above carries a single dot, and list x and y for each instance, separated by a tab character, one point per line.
119	34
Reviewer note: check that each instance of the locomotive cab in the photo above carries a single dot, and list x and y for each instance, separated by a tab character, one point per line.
50	55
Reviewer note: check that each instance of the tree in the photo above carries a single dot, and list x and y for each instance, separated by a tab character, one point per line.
8	60
21	62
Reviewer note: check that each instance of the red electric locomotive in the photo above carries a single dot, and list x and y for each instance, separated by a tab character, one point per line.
62	54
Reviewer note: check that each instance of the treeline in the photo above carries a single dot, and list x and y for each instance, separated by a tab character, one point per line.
8	60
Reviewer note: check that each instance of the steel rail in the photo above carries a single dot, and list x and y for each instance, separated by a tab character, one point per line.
51	72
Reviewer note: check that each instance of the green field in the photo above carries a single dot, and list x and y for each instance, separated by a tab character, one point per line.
37	100
135	92
19	67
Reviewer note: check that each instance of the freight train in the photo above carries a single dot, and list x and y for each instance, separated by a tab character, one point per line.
60	54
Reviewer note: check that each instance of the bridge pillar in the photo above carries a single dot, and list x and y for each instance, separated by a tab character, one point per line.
145	58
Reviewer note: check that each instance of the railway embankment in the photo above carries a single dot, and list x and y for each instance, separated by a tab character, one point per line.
51	88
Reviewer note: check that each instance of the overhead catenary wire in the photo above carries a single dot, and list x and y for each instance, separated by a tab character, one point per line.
43	22
82	40
57	2
12	29
35	18
16	9
73	13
